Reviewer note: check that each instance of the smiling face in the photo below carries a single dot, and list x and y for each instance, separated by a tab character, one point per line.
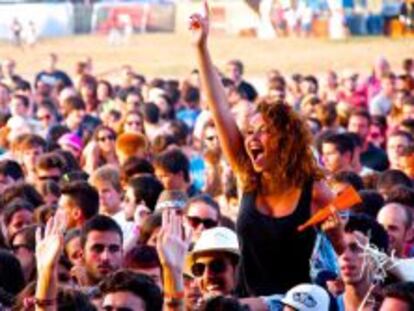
258	143
215	274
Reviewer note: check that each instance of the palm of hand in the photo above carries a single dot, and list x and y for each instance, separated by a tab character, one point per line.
48	250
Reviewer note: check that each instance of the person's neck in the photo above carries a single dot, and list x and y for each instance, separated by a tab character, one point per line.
354	295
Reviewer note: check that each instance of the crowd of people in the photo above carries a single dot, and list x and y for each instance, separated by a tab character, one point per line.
139	194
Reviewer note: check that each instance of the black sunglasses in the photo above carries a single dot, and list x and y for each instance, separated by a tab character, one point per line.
105	138
217	266
196	221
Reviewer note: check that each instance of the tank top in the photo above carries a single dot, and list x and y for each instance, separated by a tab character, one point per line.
274	255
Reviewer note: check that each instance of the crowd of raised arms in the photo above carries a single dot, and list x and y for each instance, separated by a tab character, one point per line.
137	194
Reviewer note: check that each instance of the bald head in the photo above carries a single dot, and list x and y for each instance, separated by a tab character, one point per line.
397	221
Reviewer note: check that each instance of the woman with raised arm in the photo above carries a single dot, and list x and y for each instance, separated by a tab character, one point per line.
279	178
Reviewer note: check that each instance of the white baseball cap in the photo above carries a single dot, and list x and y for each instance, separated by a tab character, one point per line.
307	297
218	239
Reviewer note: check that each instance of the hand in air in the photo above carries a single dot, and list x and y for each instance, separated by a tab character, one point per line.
49	246
199	25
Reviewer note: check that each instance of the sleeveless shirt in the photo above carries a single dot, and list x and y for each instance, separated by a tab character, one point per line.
274	255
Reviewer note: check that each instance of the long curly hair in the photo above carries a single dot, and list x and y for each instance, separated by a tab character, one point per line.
294	161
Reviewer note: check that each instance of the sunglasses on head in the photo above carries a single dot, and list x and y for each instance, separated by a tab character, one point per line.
196	221
216	266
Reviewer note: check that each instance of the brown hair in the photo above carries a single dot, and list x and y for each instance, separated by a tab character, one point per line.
294	160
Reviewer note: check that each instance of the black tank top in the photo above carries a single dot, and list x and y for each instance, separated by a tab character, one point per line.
275	256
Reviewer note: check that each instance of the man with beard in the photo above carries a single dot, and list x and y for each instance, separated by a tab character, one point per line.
101	240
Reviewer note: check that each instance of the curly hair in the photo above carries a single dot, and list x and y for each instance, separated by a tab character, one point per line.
294	160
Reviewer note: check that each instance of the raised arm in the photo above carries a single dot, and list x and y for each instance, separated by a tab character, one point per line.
229	134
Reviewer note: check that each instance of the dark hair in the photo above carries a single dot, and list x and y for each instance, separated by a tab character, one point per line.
162	141
55	132
12	169
138	284
29	234
100	128
142	256
133	166
100	223
74	103
71	164
150	224
342	143
32	141
356	139
402	291
390	178
204	198
23	191
180	131
191	94
15	206
151	113
349	177
84	196
401	194
147	188
12	279
370	228
371	203
68	299
174	161
23	99
360	112
51	160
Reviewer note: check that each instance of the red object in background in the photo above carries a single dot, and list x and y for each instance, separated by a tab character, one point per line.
135	13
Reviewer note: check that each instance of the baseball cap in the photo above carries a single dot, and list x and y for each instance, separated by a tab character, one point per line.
218	239
307	297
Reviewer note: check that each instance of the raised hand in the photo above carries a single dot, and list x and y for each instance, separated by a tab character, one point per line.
199	25
49	246
173	241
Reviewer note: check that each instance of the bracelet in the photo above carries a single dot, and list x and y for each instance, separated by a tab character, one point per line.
29	302
175	296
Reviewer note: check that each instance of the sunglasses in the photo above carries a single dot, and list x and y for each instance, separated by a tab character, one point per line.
196	221
105	138
216	266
